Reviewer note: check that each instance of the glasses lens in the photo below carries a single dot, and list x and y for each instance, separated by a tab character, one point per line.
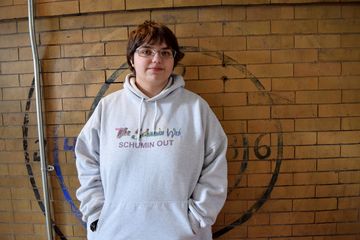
149	52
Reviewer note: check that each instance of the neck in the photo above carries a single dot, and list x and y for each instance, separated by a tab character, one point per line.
150	90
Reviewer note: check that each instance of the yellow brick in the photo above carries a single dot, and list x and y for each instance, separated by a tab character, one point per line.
269	12
9	81
270	42
271	70
341	82
246	112
338	164
225	99
7	28
59	65
41	25
57	8
221	14
339	26
350	68
271	98
293	192
308	165
320	11
346	203
247	57
297	138
198	29
211	86
317	124
283	56
71	104
306	83
349	96
246	85
294	111
315	229
242	2
99	63
139	4
187	3
18	40
315	204
350	11
6	3
105	34
83	77
53	105
115	48
338	191
350	176
339	110
91	90
17	67
101	6
323	151
268	231
79	50
234	126
317	69
350	150
351	123
349	54
15	93
16	11
66	91
318	96
317	41
261	126
198	58
350	40
86	21
247	28
28	217
126	18
9	106
218	72
223	43
338	137
292	217
295	26
61	37
47	52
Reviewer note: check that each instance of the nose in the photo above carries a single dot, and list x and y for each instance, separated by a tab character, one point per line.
156	57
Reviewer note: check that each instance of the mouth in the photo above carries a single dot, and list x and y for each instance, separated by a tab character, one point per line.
156	69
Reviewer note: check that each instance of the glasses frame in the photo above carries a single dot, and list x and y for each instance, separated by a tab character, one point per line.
154	52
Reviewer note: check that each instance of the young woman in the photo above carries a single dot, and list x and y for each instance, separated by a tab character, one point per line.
151	159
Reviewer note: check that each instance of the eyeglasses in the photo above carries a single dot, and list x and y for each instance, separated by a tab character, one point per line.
150	52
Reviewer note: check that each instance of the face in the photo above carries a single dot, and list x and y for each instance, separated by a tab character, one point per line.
153	71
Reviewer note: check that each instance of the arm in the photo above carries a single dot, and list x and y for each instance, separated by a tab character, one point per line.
90	192
210	192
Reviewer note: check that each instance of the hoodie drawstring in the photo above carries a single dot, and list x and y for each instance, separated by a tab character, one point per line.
140	119
155	116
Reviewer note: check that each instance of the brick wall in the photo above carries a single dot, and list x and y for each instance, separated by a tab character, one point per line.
282	77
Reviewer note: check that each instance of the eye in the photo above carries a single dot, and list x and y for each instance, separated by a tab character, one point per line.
145	52
166	53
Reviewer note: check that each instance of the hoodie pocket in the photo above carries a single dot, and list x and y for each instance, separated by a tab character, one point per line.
148	220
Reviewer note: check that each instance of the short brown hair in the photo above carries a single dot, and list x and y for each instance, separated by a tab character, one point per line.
152	32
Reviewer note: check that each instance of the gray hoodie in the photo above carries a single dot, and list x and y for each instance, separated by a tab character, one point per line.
152	168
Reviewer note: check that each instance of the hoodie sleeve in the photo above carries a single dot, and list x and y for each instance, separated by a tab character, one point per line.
210	192
90	193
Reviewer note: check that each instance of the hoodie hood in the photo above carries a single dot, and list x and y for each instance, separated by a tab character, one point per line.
175	82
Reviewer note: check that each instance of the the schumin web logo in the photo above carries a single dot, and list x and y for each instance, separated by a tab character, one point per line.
167	137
